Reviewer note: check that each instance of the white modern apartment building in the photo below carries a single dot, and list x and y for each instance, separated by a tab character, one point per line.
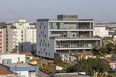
3	40
67	34
21	34
100	31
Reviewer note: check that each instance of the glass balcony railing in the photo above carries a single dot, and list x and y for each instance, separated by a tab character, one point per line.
76	46
79	27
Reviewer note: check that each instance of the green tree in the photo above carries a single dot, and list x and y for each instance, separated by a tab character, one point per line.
13	27
59	62
69	67
92	65
102	50
99	51
95	50
15	50
106	40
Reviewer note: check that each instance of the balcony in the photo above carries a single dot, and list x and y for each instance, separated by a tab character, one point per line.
78	28
74	38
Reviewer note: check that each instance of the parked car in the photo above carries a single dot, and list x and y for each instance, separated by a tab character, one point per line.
46	71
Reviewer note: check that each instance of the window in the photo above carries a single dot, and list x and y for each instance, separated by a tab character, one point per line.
48	45
46	53
43	44
41	23
40	44
49	54
44	27
40	27
45	36
44	49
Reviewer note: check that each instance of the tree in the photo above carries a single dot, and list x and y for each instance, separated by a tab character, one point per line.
69	67
59	62
110	47
15	50
95	50
106	40
102	50
13	27
92	65
99	51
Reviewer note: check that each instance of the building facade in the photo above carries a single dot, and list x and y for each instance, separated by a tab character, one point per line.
67	34
10	58
22	35
3	40
100	31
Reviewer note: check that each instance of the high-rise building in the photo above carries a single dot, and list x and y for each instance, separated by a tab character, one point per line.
67	34
3	40
21	35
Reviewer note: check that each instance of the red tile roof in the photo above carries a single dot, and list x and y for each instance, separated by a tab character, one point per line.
108	60
67	62
46	61
85	53
52	64
110	57
4	71
31	60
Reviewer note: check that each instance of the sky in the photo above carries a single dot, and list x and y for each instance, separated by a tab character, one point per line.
99	10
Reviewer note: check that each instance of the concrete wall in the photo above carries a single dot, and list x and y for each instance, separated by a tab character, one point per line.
47	47
14	57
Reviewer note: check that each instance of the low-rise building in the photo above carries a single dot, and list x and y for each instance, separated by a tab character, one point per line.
23	69
64	57
9	58
6	73
110	62
84	55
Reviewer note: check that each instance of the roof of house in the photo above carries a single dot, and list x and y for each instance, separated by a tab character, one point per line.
108	60
110	57
5	71
32	60
67	62
52	64
85	53
18	65
26	53
46	61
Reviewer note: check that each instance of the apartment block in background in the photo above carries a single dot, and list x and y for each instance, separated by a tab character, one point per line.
22	35
3	40
101	31
67	34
